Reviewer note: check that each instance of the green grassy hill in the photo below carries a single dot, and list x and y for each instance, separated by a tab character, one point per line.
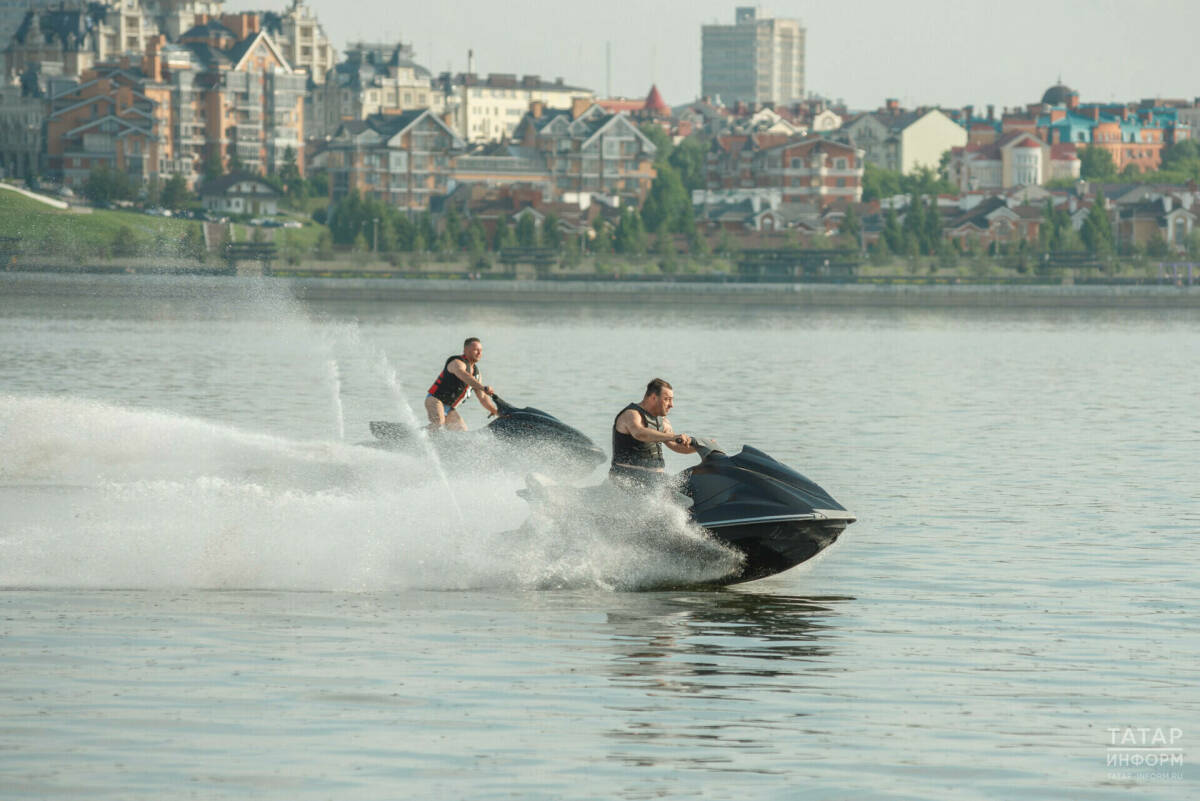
43	229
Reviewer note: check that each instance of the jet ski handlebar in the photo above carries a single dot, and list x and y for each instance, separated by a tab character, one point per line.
503	406
706	447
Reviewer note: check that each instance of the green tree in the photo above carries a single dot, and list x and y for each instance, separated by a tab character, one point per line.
892	235
475	239
630	237
668	204
504	237
932	232
660	139
105	185
404	232
879	183
927	181
914	224
688	157
1097	231
1096	164
602	239
175	194
192	245
551	235
325	245
289	174
211	168
426	231
851	228
527	232
664	250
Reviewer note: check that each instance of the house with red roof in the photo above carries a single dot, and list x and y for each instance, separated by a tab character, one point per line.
799	168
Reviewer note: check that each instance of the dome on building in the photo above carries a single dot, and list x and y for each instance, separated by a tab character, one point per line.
1057	95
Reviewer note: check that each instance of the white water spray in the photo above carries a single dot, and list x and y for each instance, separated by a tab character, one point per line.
339	412
100	496
393	383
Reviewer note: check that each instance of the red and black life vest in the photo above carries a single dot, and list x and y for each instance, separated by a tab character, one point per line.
449	388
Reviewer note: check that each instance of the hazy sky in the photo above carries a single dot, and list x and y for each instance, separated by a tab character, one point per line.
921	51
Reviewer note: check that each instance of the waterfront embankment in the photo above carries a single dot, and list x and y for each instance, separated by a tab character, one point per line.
800	295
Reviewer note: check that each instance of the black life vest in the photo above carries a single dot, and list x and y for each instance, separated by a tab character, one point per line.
629	451
449	388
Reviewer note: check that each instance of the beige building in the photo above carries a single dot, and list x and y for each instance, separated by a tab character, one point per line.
489	109
302	40
1018	158
904	141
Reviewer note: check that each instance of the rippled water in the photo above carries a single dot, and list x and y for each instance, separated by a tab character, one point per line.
213	592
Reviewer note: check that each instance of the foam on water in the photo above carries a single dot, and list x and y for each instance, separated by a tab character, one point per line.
102	496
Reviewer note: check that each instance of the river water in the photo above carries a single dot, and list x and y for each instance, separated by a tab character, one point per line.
211	590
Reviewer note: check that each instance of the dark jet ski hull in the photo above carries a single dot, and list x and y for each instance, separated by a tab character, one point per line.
517	439
775	517
772	548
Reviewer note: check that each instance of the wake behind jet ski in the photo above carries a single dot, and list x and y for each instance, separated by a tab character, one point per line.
769	513
519	439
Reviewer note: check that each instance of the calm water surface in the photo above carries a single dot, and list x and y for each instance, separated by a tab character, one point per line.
211	591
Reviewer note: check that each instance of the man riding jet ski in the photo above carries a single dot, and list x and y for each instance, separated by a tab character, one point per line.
775	517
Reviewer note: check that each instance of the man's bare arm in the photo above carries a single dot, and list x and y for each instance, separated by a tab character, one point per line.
681	443
458	368
631	423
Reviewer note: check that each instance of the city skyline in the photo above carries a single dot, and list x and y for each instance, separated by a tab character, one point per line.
1093	47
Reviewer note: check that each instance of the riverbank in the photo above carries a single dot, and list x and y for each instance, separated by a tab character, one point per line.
800	295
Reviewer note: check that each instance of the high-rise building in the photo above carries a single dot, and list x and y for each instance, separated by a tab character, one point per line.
754	60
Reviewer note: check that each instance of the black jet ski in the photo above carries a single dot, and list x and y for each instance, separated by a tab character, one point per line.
765	509
769	513
519	439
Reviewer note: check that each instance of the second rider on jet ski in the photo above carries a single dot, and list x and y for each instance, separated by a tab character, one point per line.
458	378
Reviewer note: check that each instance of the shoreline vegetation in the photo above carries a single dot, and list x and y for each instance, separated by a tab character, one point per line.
36	239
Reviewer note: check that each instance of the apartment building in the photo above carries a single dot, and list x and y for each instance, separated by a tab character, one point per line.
402	159
248	101
301	40
372	79
212	95
589	150
491	108
22	112
796	169
754	60
118	116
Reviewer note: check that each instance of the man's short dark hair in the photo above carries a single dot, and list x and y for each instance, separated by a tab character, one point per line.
656	386
467	342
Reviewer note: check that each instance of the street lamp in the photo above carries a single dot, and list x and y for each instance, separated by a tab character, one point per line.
375	236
